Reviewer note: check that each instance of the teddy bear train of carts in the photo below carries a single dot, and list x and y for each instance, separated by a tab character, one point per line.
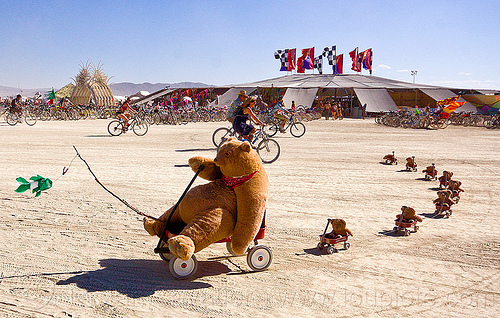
448	196
406	220
339	234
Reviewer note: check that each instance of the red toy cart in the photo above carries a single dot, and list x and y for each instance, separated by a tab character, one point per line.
404	227
329	243
259	257
443	210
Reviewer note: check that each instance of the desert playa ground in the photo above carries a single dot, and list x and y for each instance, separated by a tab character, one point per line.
76	251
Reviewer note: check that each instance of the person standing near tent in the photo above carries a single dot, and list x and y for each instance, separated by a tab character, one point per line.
231	111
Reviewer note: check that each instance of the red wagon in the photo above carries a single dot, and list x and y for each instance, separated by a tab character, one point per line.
328	243
403	226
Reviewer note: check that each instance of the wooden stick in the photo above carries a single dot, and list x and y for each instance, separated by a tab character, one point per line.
117	197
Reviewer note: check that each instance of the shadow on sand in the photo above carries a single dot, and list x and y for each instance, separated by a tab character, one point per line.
195	149
98	136
140	277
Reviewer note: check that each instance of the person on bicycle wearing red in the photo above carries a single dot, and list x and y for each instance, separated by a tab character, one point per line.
16	105
125	112
244	113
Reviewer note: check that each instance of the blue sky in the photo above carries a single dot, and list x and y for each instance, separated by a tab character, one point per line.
449	43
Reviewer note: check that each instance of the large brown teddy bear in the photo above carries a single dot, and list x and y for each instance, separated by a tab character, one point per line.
409	215
232	204
339	229
443	198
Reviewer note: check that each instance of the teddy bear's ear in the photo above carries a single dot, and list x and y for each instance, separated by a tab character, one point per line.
245	146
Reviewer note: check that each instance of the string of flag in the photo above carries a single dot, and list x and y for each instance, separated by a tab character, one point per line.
307	61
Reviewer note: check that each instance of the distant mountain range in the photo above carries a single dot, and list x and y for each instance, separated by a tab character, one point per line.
119	89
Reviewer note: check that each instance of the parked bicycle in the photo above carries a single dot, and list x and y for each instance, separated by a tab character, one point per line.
268	149
297	129
138	126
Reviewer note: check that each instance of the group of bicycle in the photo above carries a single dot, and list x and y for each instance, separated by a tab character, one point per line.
244	115
430	120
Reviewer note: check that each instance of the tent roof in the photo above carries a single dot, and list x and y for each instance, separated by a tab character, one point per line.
334	81
376	100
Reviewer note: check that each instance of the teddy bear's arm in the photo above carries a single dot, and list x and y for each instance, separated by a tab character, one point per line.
211	171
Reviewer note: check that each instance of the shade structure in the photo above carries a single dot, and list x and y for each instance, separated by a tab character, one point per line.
443	93
146	99
302	97
376	99
231	94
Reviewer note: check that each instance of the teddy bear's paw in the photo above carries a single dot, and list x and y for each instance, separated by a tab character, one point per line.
181	246
153	227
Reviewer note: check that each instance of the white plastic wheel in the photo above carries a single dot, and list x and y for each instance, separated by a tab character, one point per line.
259	258
183	269
347	245
330	249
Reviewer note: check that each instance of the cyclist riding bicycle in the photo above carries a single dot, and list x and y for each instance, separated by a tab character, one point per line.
125	112
16	106
280	113
244	113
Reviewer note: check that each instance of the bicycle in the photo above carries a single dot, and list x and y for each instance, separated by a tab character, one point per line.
12	118
267	148
297	129
138	126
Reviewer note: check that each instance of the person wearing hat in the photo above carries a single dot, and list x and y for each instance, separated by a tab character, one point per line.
243	114
231	112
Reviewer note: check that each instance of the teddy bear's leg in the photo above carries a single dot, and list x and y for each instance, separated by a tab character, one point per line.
204	229
154	227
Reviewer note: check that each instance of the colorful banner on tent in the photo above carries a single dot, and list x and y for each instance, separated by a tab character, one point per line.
338	68
447	101
356	63
452	106
306	61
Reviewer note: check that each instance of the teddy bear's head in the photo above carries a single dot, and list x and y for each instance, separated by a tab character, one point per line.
444	194
408	212
454	185
338	224
447	174
236	158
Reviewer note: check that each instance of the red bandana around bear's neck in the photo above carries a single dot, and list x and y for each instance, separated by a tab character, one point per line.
237	181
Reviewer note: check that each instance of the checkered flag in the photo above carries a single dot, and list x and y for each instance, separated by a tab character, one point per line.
282	55
330	52
318	63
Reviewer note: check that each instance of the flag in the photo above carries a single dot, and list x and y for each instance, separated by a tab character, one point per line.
291	59
306	61
318	63
447	101
366	59
282	55
330	52
339	64
356	65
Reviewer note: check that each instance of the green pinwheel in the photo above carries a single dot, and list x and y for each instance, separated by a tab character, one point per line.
37	184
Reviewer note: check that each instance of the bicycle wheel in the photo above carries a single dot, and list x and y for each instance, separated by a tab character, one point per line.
268	150
220	135
12	118
30	119
115	128
271	129
140	127
298	129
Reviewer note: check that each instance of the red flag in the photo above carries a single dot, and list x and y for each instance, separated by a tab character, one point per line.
291	59
306	61
339	64
356	65
366	58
